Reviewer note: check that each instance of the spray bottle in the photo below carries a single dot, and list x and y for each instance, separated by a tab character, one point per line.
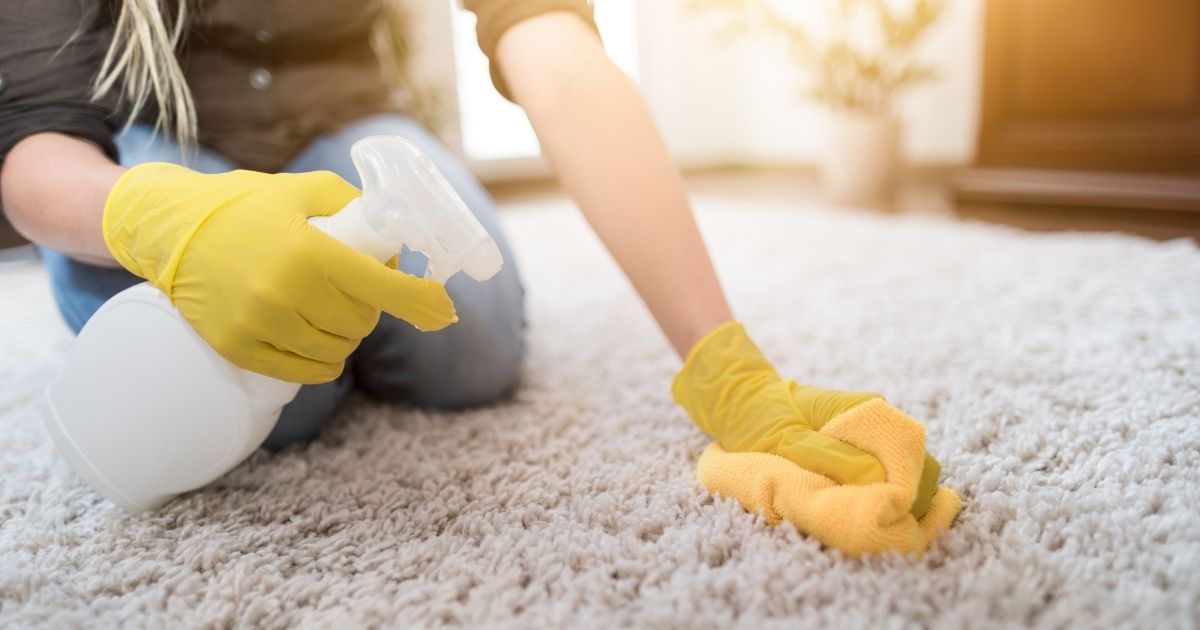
145	409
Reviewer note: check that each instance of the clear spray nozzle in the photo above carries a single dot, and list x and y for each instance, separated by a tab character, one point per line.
406	201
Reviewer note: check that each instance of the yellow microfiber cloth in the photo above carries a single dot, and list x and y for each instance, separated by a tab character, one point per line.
845	467
856	519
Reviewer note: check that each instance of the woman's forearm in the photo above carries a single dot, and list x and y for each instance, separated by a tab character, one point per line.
53	188
597	132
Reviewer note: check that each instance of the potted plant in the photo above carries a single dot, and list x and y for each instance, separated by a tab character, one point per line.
859	55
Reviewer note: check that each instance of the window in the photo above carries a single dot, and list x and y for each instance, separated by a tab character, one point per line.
494	129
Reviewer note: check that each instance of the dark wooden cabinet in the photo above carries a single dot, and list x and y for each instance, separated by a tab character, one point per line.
1091	116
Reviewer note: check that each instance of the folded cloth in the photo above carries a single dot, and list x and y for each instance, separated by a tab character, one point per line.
857	519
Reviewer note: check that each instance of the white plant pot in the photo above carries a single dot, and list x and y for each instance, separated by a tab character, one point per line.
861	163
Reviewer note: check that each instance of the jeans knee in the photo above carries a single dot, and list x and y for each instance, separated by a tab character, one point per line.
476	376
473	362
312	408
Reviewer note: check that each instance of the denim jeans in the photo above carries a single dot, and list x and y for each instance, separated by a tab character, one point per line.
472	362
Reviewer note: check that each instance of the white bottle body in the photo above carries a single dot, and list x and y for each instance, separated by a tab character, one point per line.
167	415
180	415
144	409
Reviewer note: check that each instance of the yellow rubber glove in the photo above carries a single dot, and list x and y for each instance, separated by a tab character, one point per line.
820	406
733	393
236	255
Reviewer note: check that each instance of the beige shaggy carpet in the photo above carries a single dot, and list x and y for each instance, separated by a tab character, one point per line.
1058	375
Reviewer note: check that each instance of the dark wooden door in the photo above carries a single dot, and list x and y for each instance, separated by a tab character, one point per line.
1091	114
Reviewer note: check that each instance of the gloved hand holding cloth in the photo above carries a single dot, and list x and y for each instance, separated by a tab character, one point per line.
845	467
237	256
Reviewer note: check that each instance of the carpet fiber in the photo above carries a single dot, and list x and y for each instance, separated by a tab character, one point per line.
1058	376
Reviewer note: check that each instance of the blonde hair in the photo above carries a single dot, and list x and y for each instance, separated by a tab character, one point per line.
141	64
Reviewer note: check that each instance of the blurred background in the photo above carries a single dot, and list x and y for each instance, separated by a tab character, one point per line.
727	88
1047	114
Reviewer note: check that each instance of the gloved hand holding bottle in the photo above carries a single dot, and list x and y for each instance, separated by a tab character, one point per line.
238	258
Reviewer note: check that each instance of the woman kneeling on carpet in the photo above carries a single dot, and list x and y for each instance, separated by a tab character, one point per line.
282	88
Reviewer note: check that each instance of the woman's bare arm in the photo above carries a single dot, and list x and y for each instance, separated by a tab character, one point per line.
598	133
53	188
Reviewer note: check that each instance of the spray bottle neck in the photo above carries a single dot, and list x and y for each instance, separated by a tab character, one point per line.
350	227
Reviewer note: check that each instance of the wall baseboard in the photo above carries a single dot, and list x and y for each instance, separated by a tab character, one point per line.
1154	205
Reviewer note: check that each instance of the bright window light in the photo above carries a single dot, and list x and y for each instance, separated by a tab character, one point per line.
495	129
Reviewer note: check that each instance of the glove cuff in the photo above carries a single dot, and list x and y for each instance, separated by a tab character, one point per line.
115	219
137	238
720	357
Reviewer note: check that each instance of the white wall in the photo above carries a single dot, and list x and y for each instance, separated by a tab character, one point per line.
716	103
738	101
494	129
434	60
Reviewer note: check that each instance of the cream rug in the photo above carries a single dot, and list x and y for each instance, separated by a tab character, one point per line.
1058	375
